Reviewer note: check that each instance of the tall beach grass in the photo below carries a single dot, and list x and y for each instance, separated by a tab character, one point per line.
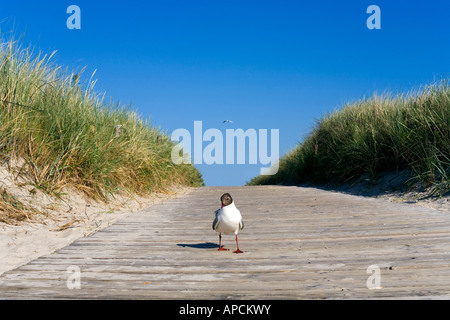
382	134
58	132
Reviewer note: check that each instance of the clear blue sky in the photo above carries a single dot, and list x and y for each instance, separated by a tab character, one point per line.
263	64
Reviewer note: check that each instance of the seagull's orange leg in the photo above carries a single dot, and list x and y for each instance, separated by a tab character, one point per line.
220	243
237	246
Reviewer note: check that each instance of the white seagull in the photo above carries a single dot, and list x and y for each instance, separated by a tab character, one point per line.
227	121
228	220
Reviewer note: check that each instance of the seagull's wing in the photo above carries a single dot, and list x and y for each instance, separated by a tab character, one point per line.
215	224
216	219
241	222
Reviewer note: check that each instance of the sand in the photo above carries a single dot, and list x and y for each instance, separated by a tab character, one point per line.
397	187
62	220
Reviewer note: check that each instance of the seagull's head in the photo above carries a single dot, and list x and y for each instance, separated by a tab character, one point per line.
226	199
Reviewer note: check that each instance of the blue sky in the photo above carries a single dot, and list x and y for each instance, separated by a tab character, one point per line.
263	64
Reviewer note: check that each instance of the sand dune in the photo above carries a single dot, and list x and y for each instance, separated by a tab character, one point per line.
62	220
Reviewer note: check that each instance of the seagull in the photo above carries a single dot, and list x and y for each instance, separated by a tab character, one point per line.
228	220
227	121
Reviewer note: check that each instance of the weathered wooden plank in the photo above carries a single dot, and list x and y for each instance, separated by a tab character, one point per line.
298	243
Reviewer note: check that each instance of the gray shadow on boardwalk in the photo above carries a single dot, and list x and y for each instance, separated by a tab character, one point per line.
204	245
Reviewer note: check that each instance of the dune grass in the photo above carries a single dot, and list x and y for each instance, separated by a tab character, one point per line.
63	134
374	136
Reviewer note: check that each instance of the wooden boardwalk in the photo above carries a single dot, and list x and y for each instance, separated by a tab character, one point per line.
298	243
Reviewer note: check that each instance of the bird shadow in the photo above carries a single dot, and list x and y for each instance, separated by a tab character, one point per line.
204	245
